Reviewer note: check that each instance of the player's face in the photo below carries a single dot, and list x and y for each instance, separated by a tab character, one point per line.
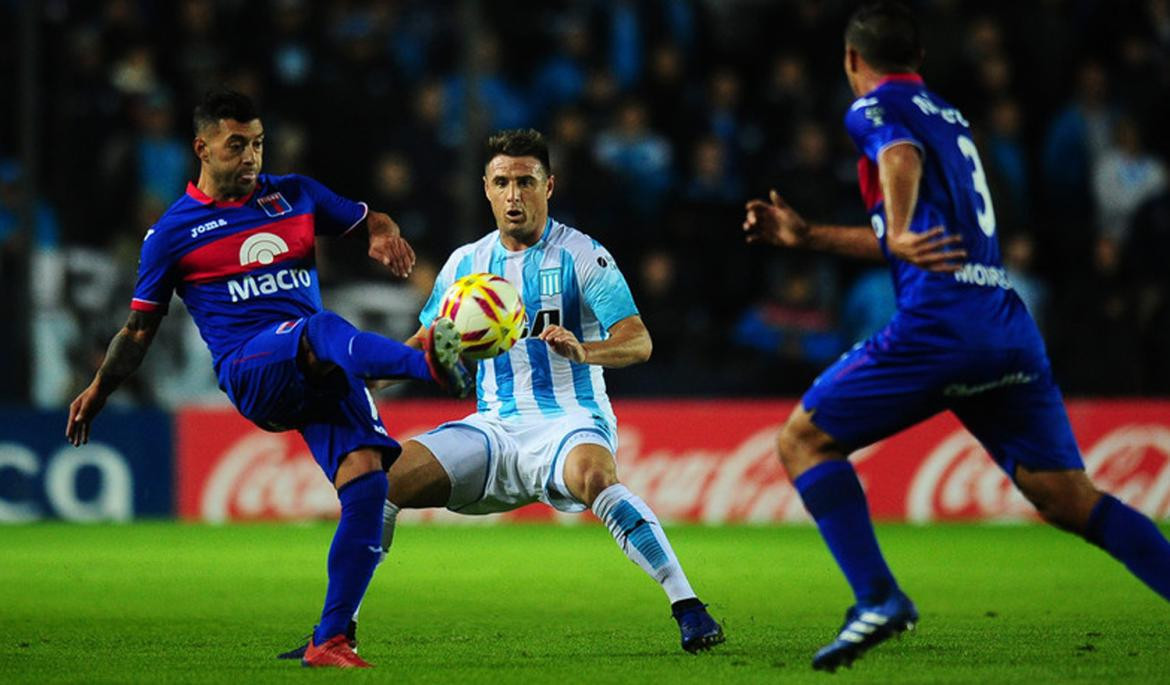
518	189
232	154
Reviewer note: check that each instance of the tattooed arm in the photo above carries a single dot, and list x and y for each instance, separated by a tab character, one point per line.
123	356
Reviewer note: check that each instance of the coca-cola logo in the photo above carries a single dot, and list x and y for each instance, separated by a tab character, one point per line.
935	472
744	483
958	480
1133	463
741	483
260	477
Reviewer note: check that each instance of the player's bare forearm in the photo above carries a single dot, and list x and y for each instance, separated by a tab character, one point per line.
127	350
772	221
123	357
628	343
900	170
858	242
387	246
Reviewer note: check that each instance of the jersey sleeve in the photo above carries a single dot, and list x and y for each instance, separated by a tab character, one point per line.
152	292
874	126
446	277
603	286
333	214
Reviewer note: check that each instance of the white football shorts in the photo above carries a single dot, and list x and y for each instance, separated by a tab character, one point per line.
499	465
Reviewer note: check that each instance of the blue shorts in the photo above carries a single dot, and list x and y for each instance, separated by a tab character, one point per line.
1006	398
335	416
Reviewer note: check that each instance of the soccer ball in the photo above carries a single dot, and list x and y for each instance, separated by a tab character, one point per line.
487	312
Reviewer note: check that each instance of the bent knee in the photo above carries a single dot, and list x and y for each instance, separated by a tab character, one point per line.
595	480
357	464
801	445
588	474
1063	498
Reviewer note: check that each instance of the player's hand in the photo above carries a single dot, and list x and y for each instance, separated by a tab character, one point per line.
931	250
82	412
388	247
564	343
774	222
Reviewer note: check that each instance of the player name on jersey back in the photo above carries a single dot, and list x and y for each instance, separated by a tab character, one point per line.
970	305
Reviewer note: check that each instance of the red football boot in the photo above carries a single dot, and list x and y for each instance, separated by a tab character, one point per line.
334	652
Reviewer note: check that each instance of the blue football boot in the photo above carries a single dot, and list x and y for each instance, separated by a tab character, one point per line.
866	627
697	629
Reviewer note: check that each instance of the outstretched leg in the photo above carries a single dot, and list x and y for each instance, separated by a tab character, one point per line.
591	477
1068	500
831	492
330	340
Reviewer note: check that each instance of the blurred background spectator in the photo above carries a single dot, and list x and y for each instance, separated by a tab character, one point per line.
664	116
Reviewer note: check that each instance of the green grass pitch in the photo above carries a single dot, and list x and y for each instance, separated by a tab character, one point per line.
166	602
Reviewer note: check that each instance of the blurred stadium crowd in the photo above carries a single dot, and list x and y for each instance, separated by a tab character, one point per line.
665	116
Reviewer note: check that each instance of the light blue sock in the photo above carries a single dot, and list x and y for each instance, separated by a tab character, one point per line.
638	532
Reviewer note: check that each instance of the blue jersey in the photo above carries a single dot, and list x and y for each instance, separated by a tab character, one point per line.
567	279
974	307
241	267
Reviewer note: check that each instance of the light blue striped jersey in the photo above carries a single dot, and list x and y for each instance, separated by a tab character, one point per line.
568	279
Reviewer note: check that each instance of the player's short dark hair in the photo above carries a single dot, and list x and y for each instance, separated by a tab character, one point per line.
886	36
223	103
519	142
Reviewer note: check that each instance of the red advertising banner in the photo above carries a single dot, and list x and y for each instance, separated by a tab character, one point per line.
700	461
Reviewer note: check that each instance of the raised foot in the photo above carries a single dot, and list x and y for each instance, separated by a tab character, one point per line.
443	348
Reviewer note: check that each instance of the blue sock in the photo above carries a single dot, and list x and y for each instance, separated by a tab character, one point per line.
365	355
833	496
356	550
1132	539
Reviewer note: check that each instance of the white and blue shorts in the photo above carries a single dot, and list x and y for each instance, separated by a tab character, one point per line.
499	465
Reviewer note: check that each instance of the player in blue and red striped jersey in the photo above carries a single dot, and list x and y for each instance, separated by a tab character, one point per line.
237	247
961	339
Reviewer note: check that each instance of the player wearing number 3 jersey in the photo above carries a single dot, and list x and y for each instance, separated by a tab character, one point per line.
961	339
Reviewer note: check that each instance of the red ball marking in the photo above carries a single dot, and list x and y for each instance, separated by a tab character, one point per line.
495	297
487	309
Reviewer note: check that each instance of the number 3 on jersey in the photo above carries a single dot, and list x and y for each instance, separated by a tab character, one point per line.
986	215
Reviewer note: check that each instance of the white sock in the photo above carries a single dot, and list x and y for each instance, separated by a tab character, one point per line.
638	532
389	518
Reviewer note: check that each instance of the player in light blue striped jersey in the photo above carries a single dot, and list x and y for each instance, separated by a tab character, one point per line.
543	429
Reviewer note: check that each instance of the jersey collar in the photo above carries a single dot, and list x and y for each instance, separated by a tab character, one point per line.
203	198
548	223
901	77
